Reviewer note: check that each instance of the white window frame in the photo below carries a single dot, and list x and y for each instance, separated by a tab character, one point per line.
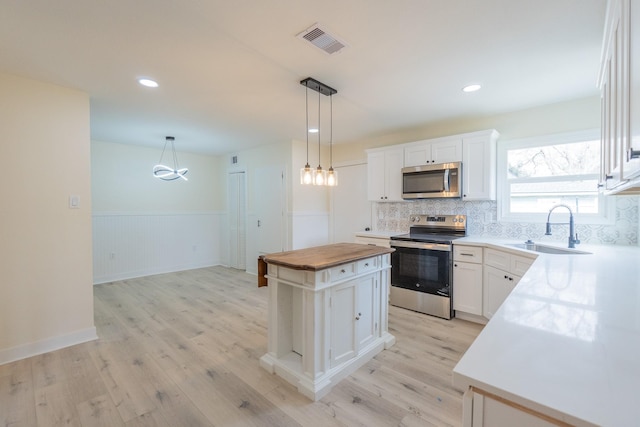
607	214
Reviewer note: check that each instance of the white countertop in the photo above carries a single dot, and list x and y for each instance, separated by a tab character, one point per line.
566	342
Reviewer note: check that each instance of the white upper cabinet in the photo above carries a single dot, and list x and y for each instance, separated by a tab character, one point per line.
479	165
384	174
632	155
619	83
476	151
439	150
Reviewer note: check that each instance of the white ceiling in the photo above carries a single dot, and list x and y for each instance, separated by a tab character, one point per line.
229	71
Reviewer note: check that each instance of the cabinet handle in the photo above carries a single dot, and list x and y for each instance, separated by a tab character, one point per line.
358	316
344	271
462	253
511	278
608	177
506	277
632	154
455	265
366	264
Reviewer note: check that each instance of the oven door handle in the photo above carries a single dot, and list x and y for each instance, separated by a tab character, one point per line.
444	247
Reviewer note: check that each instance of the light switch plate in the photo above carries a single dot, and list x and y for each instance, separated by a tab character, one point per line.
74	202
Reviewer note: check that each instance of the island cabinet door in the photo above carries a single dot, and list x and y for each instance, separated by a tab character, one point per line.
354	323
366	303
342	314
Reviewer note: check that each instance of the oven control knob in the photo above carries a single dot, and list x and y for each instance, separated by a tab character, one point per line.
461	220
455	219
417	285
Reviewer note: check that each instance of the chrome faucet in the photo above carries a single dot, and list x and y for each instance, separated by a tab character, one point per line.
573	237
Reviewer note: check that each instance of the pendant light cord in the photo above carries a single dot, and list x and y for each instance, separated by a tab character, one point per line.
163	150
319	130
306	103
331	131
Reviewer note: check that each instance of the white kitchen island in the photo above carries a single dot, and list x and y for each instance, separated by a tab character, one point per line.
328	313
564	347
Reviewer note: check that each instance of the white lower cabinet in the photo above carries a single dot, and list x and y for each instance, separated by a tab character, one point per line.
485	411
498	284
467	279
502	272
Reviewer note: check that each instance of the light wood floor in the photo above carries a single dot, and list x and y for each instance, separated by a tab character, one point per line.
182	349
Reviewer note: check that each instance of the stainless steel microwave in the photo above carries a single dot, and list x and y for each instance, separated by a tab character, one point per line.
432	181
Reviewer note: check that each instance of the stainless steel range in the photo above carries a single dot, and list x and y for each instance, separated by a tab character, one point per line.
422	265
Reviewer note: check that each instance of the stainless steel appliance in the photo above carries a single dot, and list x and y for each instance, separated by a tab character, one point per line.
432	181
422	264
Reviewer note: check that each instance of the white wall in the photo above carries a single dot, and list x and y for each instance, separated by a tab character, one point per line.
579	114
143	225
46	294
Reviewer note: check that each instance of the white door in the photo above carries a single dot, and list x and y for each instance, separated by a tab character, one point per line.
350	207
237	220
270	209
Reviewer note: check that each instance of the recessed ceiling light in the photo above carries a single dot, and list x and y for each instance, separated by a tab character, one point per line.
313	130
148	82
471	88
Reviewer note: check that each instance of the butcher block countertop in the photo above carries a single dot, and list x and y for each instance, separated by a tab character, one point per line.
327	256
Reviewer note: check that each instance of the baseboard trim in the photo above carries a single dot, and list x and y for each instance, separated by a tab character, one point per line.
151	272
49	344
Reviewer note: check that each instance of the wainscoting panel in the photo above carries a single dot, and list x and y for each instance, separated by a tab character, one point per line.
127	245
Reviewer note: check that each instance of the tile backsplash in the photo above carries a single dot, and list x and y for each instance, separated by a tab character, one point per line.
481	221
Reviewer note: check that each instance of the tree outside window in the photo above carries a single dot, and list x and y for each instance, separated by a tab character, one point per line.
537	174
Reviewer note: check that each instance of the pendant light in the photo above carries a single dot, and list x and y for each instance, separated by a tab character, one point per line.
166	173
318	176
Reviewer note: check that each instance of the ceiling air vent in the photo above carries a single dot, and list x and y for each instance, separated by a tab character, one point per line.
318	37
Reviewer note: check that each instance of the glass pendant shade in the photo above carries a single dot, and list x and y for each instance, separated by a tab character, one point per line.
319	176
332	178
306	175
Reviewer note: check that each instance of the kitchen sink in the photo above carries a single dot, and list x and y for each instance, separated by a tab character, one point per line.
544	249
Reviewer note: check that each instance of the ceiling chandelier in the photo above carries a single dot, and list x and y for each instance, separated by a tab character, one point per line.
166	173
318	176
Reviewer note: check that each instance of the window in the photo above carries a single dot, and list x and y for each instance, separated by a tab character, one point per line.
538	173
